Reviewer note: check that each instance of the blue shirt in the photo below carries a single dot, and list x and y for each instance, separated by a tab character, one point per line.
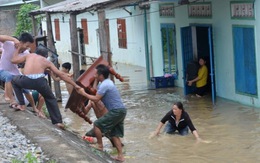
110	95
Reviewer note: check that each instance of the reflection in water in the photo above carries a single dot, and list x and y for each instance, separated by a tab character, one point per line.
231	130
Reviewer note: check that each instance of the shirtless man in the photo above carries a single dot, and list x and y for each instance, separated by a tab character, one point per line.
33	78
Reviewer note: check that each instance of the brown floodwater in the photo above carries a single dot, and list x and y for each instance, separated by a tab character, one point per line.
231	131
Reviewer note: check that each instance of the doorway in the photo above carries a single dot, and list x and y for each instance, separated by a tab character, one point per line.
196	43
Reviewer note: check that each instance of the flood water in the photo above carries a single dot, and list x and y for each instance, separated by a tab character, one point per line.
231	130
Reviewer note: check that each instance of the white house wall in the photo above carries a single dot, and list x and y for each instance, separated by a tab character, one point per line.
63	46
134	54
222	43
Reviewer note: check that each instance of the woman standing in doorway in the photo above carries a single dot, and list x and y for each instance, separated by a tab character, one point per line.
201	79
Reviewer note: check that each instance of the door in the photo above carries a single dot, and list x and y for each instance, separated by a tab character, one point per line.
245	60
187	56
169	48
212	70
197	42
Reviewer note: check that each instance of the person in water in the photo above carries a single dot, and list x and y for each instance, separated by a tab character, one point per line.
178	120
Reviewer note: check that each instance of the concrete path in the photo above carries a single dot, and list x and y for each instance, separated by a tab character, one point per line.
63	146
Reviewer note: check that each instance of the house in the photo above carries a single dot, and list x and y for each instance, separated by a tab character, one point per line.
164	36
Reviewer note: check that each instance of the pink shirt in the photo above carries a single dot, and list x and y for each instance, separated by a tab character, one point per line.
5	62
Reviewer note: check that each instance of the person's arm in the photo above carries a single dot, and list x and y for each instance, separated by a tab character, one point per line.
63	76
18	58
197	78
191	126
95	83
4	38
94	98
158	129
196	135
54	77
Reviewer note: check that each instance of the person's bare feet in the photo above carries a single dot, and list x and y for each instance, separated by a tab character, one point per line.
41	114
20	108
60	125
7	99
198	95
118	158
96	146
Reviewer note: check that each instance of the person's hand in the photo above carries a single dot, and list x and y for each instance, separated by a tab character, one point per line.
16	43
70	75
153	134
199	140
189	83
48	71
80	90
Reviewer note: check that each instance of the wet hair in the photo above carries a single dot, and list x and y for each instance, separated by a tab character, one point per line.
179	105
26	37
81	71
41	51
66	65
103	70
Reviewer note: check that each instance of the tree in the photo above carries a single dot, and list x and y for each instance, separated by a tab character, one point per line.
24	21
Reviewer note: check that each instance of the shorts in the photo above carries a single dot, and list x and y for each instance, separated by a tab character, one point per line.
6	76
35	96
112	123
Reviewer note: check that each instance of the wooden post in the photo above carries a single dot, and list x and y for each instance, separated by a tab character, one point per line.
103	35
74	44
34	26
104	39
52	47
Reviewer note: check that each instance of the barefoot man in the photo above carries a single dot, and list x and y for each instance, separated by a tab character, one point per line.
112	122
33	78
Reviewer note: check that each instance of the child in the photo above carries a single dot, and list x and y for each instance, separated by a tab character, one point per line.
65	67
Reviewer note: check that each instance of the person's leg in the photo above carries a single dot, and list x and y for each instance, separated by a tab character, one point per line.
199	91
40	104
7	78
50	100
117	132
16	83
169	129
184	131
118	145
9	97
29	97
98	135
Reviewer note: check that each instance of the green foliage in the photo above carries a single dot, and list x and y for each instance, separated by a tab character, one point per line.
24	20
30	158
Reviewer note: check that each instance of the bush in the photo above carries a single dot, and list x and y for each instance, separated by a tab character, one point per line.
24	20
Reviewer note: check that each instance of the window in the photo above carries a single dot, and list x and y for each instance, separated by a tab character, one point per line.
121	28
84	25
242	10
245	60
167	10
57	29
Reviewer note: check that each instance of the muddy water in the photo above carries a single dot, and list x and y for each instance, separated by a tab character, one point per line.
231	131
